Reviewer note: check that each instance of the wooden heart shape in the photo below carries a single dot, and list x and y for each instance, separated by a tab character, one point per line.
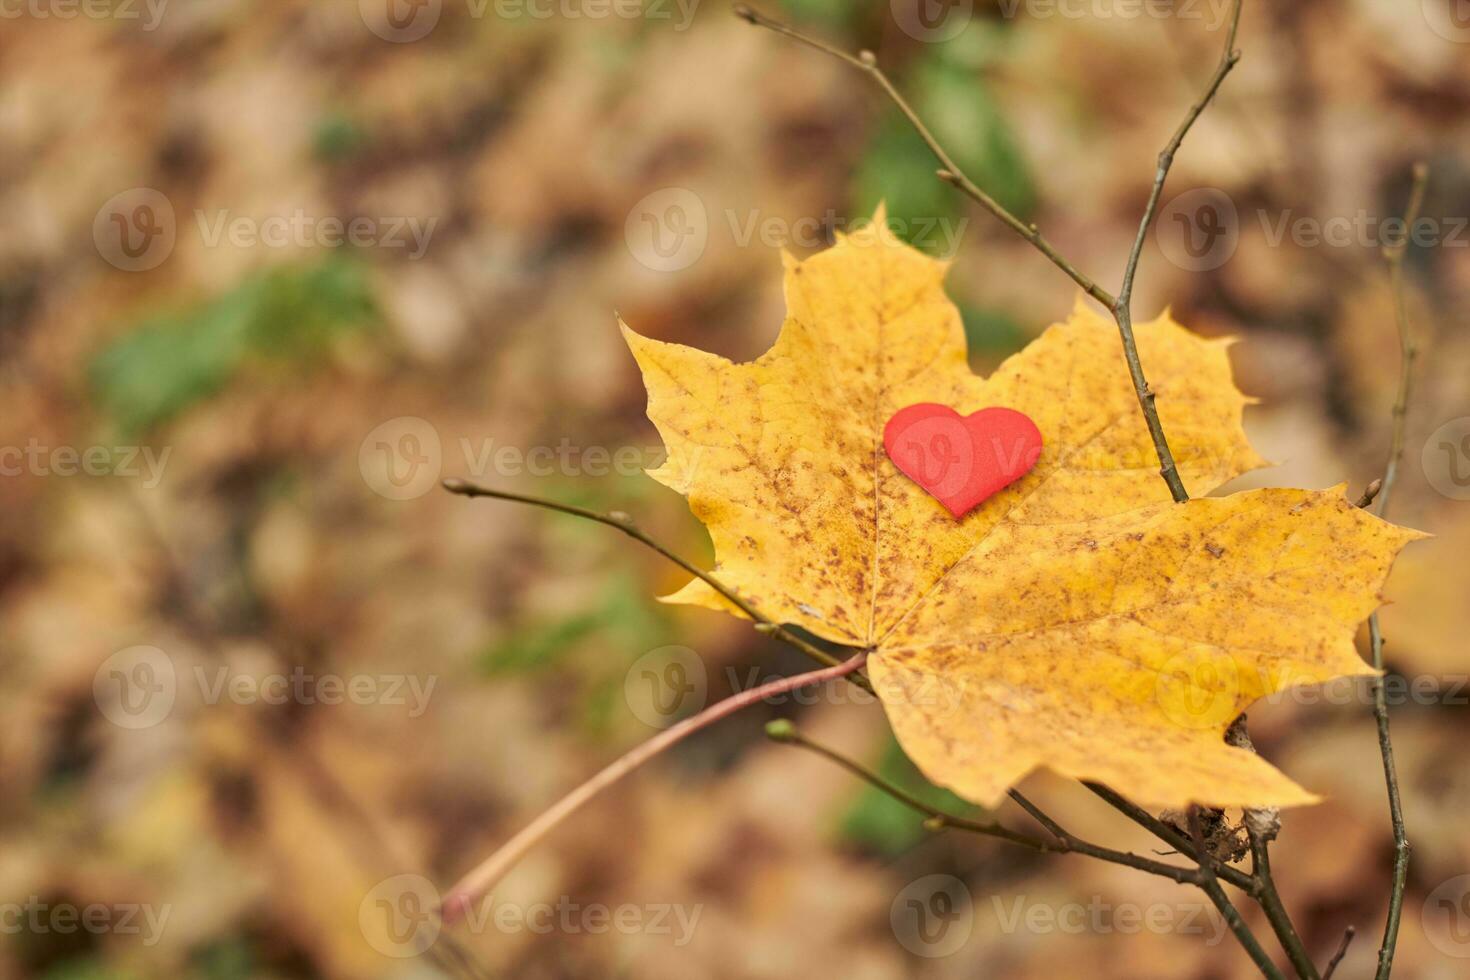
962	459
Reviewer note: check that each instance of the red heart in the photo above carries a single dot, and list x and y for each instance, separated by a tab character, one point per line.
962	459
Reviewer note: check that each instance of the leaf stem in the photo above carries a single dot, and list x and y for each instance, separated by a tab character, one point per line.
1393	255
484	877
622	522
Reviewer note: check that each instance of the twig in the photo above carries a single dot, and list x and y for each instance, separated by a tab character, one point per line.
484	877
622	522
1169	835
1393	254
1217	895
1262	826
1369	492
1270	901
951	173
1123	308
1063	842
1342	948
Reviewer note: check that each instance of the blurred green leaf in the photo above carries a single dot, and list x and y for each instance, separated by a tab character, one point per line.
880	823
625	620
833	15
952	97
338	137
992	332
169	362
228	959
84	969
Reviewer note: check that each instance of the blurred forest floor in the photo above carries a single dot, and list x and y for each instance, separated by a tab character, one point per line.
534	154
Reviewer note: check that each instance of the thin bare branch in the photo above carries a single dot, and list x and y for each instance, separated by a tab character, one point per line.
1261	827
1393	254
624	523
1271	904
1217	895
475	884
1123	307
1062	842
866	62
1169	835
1342	948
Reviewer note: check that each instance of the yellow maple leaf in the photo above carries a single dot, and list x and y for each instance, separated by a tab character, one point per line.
1079	620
